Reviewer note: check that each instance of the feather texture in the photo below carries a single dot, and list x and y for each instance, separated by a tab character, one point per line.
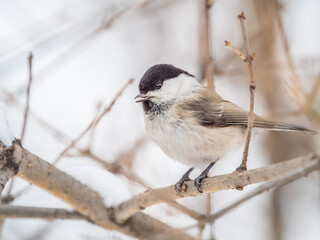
211	110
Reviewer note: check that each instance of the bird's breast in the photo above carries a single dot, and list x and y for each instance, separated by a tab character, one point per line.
186	141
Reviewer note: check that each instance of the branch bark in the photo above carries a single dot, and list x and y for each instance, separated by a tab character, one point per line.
84	200
213	184
248	61
205	48
9	211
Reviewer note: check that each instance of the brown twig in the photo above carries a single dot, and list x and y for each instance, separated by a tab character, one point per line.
210	185
24	125
114	168
94	121
235	50
30	58
205	43
191	213
248	61
9	211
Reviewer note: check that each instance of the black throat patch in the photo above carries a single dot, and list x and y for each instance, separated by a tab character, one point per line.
153	110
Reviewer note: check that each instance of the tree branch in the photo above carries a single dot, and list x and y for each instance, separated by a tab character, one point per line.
30	58
205	43
249	59
94	121
294	175
84	200
9	211
213	184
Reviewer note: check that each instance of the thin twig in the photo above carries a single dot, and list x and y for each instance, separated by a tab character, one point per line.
114	168
94	121
30	58
93	130
24	125
205	43
249	59
191	213
9	211
235	50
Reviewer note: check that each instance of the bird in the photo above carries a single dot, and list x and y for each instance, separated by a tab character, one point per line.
193	124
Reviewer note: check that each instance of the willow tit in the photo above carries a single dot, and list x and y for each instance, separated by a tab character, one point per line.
191	123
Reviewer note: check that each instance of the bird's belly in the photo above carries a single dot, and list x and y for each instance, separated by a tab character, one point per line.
192	144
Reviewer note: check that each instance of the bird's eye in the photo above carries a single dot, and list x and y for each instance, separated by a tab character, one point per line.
158	85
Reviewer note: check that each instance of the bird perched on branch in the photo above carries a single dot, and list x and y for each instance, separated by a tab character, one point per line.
193	124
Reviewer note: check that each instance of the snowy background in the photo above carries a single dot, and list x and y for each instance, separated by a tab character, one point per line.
78	65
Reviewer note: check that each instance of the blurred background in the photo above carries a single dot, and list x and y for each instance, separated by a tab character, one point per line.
85	51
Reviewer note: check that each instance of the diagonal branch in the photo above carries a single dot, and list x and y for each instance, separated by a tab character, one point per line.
94	122
9	211
84	200
294	175
223	182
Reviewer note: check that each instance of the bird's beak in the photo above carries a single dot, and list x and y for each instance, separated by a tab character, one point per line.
141	97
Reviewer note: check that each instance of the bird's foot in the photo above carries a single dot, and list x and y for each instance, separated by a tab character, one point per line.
180	185
203	175
197	182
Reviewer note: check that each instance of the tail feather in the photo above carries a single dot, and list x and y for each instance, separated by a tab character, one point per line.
283	127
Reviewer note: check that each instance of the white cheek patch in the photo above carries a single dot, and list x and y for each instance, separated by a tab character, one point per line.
175	88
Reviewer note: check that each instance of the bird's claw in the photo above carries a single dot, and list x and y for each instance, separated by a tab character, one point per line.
181	186
197	182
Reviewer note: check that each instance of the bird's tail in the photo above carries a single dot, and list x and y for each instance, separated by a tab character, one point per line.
275	126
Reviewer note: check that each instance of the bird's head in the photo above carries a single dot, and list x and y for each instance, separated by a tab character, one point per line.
164	83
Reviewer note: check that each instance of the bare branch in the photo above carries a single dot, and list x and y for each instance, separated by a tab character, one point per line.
95	121
205	43
294	175
9	211
213	184
249	59
84	200
30	58
235	50
191	213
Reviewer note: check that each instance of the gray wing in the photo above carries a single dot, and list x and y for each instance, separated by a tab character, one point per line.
235	115
210	110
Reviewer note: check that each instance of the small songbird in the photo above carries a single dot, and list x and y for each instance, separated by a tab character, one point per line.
193	124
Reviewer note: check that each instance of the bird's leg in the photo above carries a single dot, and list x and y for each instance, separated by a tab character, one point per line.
204	174
185	177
